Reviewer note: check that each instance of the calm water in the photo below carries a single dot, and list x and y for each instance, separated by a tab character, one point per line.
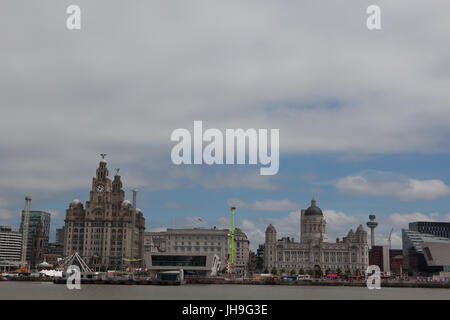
48	290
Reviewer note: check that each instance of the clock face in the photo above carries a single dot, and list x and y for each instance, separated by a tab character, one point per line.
100	188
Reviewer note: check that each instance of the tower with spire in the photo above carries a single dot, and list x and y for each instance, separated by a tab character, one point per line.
108	230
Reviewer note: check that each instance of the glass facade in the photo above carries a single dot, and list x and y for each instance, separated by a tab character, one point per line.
35	216
179	261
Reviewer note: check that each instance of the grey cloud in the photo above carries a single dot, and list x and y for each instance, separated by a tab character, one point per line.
137	71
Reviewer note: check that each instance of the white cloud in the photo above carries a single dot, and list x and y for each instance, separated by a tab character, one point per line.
338	218
264	205
377	183
402	220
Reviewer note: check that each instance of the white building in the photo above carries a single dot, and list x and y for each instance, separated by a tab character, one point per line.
10	248
314	252
194	250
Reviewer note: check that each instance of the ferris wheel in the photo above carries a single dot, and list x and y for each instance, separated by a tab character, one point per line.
74	258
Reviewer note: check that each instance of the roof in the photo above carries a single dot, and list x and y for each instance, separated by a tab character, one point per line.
313	210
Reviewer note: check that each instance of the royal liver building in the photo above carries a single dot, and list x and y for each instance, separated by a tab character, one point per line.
314	252
109	231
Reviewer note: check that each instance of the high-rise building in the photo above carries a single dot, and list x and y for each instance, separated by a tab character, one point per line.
10	248
36	218
60	236
314	253
103	232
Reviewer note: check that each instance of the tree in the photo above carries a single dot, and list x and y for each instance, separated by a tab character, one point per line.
328	271
274	271
338	271
292	272
301	271
283	270
224	270
266	271
103	268
311	271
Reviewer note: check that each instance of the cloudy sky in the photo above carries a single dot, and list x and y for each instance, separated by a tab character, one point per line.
364	116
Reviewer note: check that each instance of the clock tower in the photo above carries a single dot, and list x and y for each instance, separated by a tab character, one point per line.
105	233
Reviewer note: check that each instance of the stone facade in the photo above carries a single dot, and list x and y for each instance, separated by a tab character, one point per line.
198	241
314	252
38	247
102	232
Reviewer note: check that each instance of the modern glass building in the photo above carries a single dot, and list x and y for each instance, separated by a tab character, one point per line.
413	253
35	217
438	229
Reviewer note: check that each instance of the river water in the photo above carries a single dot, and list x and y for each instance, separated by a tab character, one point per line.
48	290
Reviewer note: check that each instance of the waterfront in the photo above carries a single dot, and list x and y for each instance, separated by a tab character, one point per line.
11	290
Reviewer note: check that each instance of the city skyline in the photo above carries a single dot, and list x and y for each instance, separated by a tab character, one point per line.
288	225
363	115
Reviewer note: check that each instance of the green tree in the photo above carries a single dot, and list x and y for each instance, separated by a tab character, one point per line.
274	271
301	271
292	272
338	271
266	271
283	270
328	271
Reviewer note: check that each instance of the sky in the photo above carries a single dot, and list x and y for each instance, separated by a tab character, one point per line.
363	116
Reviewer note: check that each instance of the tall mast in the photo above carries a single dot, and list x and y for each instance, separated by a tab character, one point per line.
25	227
232	236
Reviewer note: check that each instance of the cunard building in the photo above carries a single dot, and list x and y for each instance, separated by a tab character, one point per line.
314	252
108	231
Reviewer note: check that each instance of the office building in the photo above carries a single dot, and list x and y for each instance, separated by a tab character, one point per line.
314	253
196	243
10	248
438	229
36	218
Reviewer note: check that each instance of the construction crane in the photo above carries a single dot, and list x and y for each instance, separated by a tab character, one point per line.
389	239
